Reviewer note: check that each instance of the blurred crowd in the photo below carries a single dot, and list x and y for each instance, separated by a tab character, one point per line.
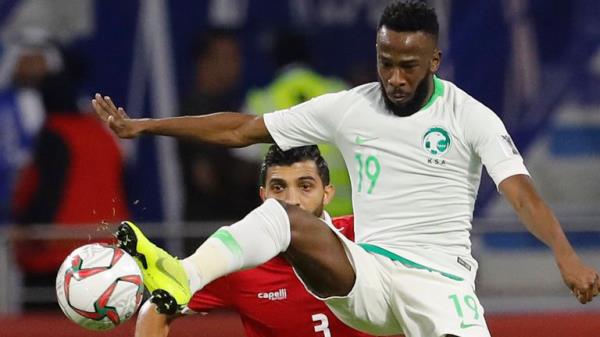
61	167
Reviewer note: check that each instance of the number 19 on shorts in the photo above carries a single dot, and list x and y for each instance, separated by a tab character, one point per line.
468	310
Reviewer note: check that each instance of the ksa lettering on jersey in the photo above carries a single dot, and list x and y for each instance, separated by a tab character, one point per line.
278	295
415	179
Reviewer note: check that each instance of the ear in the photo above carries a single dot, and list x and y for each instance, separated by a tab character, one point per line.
436	60
328	194
263	193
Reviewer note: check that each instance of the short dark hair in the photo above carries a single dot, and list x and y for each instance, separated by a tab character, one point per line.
409	16
277	157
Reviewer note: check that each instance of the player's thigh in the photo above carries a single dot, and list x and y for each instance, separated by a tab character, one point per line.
317	255
367	306
429	304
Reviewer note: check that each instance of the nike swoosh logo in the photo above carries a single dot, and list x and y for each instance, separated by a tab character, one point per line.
160	266
361	140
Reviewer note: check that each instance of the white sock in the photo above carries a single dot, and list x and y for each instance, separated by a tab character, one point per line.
192	273
257	238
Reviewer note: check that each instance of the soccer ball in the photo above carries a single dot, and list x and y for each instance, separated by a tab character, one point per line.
99	286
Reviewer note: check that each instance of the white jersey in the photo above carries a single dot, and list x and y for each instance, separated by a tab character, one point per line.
414	179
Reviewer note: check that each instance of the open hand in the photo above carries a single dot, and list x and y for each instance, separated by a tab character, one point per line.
116	118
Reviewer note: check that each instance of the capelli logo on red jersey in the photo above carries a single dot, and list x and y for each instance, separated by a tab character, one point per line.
278	295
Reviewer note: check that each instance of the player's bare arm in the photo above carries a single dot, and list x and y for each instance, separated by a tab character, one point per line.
152	324
583	281
225	128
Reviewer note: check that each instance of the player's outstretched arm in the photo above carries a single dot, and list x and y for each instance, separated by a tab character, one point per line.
150	323
583	280
225	128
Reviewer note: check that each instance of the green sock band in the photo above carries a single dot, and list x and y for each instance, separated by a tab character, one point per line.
229	241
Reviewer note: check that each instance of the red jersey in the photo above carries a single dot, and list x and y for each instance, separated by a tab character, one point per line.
273	302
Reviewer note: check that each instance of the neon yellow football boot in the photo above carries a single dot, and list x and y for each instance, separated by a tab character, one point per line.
163	273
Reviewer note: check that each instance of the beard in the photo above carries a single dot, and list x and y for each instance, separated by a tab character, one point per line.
318	212
410	107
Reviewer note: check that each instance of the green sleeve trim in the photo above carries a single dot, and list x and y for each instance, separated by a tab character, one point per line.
228	240
405	261
438	91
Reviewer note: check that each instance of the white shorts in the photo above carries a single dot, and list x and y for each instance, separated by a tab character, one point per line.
390	298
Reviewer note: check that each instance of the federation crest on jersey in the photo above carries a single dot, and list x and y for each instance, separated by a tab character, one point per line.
436	141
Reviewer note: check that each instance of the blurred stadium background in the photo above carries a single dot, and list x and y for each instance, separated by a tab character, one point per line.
535	62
